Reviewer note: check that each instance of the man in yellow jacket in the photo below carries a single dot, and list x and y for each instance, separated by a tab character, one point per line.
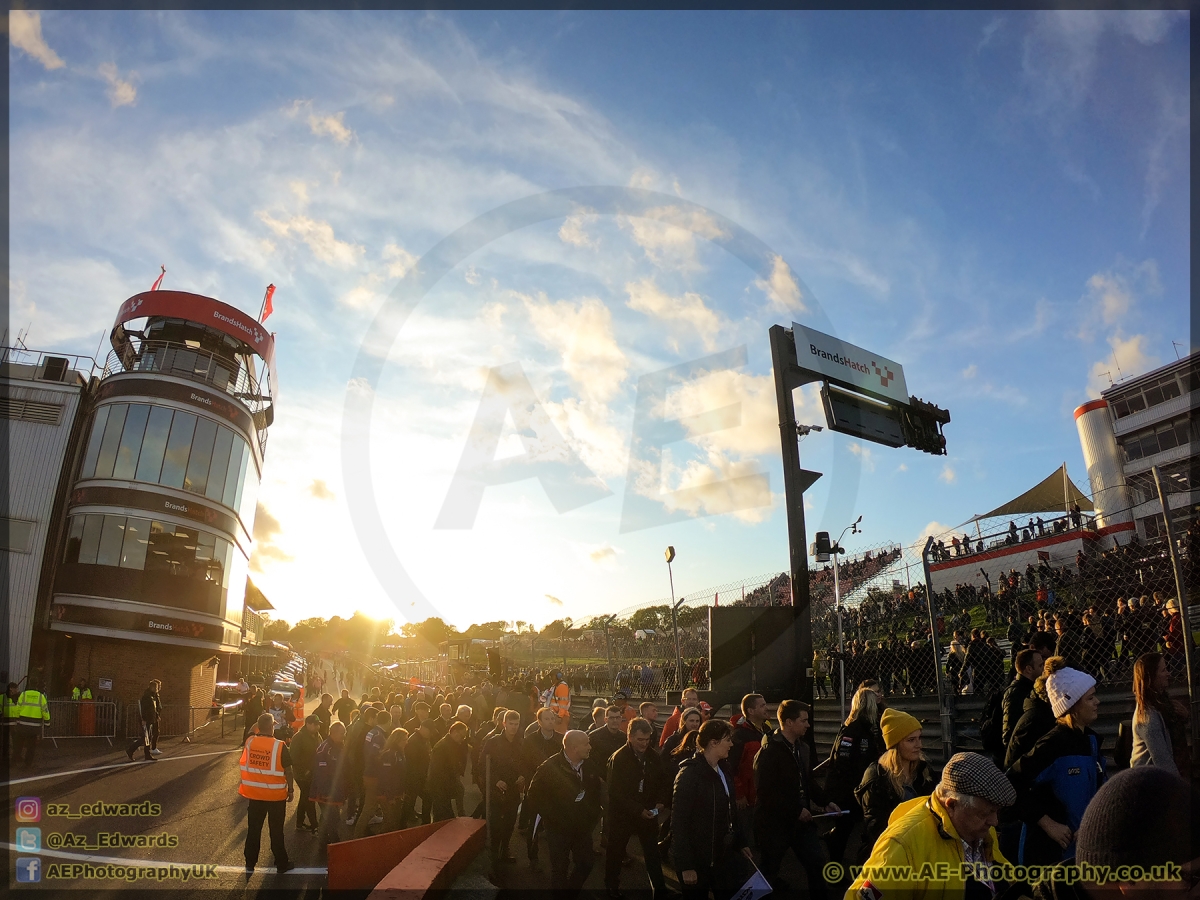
934	847
31	714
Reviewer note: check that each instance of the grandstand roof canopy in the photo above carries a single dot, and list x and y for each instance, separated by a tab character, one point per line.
1053	494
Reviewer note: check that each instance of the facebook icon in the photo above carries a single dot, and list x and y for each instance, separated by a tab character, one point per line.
29	869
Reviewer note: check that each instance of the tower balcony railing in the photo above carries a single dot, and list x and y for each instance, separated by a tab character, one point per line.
232	376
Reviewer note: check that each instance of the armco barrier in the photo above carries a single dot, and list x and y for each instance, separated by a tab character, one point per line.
435	863
81	718
360	864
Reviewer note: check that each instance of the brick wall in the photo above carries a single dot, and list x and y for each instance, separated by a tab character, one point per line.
131	664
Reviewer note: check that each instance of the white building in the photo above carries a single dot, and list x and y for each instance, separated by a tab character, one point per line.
1143	422
40	396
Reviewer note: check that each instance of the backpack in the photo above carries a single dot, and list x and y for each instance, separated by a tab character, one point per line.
991	724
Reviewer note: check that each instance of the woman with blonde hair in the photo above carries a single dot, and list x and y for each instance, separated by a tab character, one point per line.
1058	778
900	774
1151	732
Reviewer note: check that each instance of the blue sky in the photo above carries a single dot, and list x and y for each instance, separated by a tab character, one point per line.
996	201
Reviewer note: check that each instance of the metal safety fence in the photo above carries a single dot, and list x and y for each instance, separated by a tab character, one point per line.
191	723
81	719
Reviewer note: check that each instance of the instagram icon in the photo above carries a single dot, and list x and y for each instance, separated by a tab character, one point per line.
29	809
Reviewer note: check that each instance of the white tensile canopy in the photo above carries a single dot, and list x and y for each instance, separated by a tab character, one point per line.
1055	493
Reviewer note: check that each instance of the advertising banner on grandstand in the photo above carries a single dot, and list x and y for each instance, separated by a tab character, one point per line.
849	365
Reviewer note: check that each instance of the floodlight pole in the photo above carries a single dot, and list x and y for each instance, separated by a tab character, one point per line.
837	603
670	555
605	622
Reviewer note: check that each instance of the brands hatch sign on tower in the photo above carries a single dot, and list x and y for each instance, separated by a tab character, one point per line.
849	365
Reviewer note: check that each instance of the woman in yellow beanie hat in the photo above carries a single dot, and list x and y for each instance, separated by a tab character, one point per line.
900	774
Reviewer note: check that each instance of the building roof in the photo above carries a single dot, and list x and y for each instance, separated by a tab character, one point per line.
1136	382
256	599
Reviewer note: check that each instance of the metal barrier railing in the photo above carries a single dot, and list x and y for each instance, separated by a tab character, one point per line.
80	719
187	722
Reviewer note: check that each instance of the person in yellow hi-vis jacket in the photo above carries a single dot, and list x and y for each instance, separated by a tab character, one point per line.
32	714
931	842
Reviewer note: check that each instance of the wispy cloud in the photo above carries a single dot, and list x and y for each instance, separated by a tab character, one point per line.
121	91
1129	356
25	32
323	124
1111	295
317	235
863	453
948	474
267	530
686	312
319	489
782	288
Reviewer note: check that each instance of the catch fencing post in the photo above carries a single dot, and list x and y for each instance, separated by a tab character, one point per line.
945	702
1185	612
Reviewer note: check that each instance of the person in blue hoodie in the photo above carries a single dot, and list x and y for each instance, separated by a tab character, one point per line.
1059	776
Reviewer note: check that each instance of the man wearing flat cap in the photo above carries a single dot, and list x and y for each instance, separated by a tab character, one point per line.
929	838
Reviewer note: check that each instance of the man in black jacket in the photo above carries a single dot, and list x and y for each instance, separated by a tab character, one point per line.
504	779
416	776
447	765
786	794
148	707
565	796
608	738
636	798
1029	666
541	742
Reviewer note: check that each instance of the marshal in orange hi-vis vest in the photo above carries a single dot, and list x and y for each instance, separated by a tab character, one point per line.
560	702
263	777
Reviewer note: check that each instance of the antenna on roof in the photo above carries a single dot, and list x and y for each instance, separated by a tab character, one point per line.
1176	345
1120	374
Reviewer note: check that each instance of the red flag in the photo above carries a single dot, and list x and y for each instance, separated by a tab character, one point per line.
158	280
267	307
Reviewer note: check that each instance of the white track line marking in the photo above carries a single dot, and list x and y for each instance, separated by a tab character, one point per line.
124	765
149	863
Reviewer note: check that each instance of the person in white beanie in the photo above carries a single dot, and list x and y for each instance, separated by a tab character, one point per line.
1058	777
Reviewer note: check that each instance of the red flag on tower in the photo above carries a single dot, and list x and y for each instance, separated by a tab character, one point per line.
158	280
267	307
